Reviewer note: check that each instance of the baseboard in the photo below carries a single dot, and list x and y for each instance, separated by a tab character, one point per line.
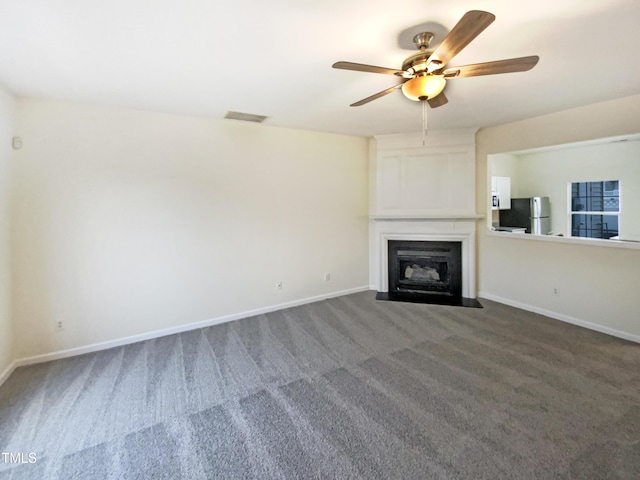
95	347
8	371
563	318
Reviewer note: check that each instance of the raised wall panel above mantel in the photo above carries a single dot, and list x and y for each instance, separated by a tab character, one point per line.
411	178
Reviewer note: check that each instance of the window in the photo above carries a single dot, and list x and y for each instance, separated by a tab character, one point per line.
595	209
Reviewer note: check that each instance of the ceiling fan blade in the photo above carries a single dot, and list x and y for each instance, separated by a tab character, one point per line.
437	101
361	67
469	27
376	96
510	65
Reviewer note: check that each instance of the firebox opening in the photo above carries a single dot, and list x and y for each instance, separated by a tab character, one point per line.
424	274
427	267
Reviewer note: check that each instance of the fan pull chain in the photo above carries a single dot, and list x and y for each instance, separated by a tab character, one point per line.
424	122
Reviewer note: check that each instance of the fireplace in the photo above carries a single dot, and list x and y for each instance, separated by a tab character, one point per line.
425	267
443	252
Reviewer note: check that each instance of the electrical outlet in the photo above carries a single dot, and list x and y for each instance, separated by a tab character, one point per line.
327	277
59	325
279	285
556	292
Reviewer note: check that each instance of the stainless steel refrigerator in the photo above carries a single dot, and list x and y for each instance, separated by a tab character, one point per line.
534	214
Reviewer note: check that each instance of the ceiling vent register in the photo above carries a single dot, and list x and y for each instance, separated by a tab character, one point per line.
245	117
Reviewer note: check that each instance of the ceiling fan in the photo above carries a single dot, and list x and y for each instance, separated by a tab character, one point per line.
424	75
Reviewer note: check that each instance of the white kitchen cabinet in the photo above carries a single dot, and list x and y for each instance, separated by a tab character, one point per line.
501	189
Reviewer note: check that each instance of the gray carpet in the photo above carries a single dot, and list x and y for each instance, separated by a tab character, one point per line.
345	388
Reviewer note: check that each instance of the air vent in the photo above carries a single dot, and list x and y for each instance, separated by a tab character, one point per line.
245	117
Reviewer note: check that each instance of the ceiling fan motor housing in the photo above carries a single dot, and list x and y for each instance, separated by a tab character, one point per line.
416	63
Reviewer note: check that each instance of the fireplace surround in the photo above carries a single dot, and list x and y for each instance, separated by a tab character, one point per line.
384	230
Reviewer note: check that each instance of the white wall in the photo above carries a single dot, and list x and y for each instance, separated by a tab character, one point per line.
129	222
6	132
505	165
596	285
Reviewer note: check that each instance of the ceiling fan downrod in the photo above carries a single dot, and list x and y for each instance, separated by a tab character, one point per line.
424	122
423	40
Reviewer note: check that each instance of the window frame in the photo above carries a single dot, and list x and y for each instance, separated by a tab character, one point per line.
571	212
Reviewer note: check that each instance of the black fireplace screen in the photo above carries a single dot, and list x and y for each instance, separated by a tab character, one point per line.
425	267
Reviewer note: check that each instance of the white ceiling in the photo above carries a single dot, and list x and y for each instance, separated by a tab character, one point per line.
206	57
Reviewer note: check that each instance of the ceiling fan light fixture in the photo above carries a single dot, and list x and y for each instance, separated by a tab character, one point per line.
423	87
